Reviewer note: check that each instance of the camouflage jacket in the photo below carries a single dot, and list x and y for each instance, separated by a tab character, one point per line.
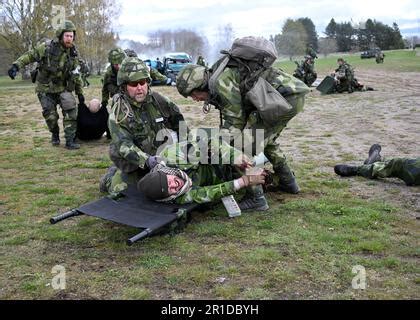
58	67
109	84
311	52
234	109
156	75
201	61
110	87
308	67
344	72
134	128
211	182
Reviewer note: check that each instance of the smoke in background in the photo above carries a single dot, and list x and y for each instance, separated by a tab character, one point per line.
162	42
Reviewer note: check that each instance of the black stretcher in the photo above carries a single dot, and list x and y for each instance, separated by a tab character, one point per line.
132	209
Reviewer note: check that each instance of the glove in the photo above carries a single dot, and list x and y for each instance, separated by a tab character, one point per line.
168	81
153	161
81	98
12	71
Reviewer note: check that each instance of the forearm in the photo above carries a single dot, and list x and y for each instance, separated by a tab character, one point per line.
208	193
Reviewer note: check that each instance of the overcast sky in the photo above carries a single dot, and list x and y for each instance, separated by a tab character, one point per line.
258	17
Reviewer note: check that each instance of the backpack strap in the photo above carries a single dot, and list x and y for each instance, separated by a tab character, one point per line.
216	73
161	103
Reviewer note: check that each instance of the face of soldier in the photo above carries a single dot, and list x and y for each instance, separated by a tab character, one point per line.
174	184
116	67
138	90
68	38
199	95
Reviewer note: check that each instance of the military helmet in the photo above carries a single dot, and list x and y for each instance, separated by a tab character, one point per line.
191	77
65	27
116	56
132	69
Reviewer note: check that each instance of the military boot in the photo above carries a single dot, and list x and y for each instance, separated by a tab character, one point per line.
286	179
374	155
345	170
55	138
72	145
254	200
106	179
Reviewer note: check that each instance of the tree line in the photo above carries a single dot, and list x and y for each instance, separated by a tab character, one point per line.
298	34
24	24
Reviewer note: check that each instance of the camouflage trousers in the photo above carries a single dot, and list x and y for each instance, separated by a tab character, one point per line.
49	102
406	169
271	146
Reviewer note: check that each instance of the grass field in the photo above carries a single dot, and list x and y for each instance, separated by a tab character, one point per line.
304	247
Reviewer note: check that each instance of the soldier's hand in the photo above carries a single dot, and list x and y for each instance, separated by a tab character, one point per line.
13	71
153	161
81	98
243	162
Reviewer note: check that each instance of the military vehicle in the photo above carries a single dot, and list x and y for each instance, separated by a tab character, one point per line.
174	62
369	53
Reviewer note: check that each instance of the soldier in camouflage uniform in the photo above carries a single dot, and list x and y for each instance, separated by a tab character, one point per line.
344	75
137	119
85	72
154	73
109	82
311	51
237	113
305	71
58	76
345	80
406	169
115	58
201	61
184	181
379	57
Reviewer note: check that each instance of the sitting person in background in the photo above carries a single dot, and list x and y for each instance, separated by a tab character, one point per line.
345	79
92	121
406	169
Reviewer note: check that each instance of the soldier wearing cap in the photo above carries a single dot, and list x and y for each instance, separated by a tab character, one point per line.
58	76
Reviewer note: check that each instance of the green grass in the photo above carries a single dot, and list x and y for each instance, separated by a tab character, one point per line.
304	247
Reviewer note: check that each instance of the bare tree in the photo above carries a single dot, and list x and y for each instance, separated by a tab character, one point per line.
292	41
26	23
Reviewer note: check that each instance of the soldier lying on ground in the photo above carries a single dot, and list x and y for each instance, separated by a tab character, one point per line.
406	169
92	121
178	179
